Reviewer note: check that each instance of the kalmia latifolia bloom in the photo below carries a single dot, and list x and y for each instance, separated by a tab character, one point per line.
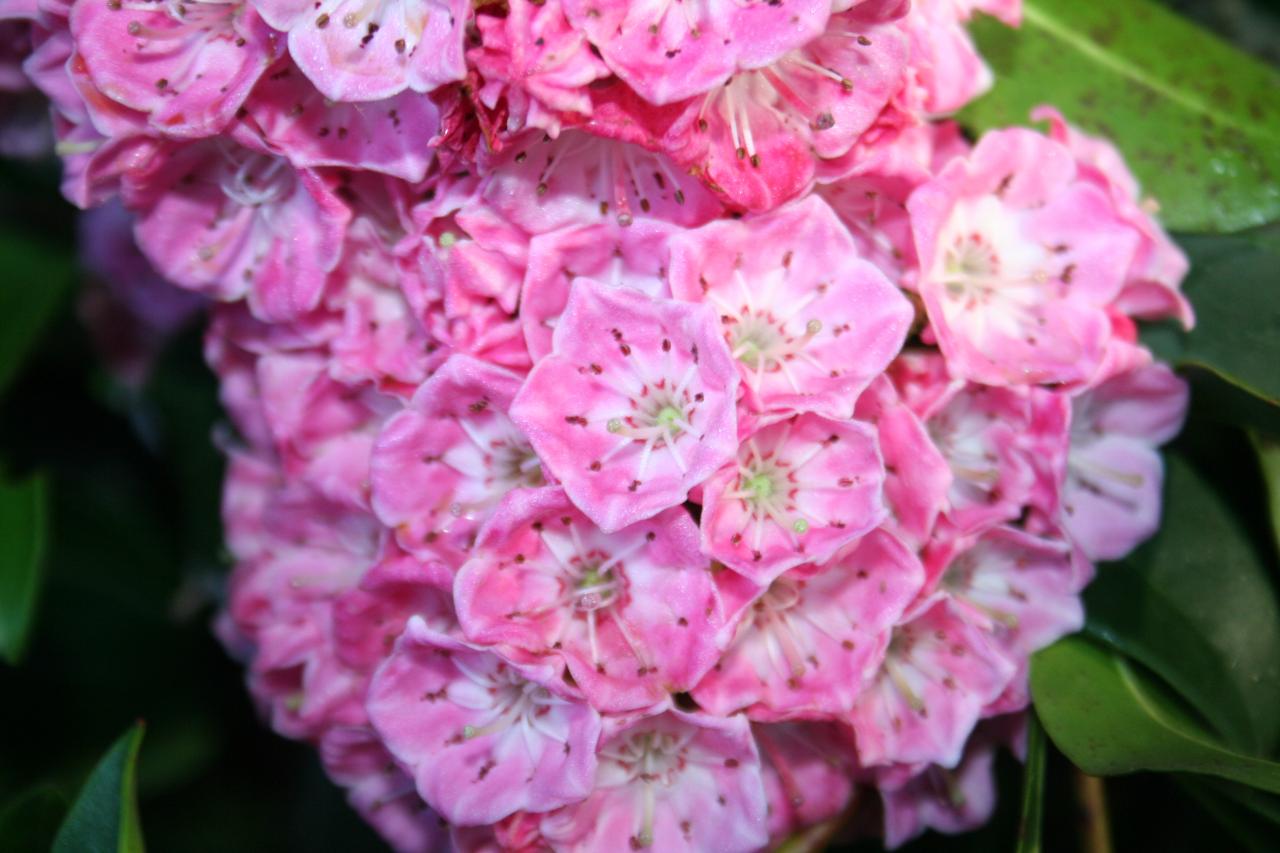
651	427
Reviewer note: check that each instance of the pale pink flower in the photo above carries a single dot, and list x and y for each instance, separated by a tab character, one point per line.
1151	291
808	335
939	672
635	404
187	64
483	737
1019	258
633	615
1111	495
672	782
440	466
799	490
358	51
804	647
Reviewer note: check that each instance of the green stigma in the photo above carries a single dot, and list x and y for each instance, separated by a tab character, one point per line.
760	486
668	416
800	525
614	425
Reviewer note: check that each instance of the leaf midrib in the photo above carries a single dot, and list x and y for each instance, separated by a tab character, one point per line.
1037	16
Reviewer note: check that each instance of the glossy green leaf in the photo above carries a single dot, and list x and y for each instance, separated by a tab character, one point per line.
1233	285
1196	604
104	818
1108	718
1198	121
36	280
1032	789
29	821
1268	450
23	531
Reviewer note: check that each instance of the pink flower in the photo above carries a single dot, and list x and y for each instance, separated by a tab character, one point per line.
1111	495
387	136
938	674
534	59
1151	291
187	65
1022	588
759	138
668	53
672	782
356	51
805	646
800	489
633	256
1019	258
808	335
440	466
808	773
635	404
542	184
483	737
633	615
380	791
231	223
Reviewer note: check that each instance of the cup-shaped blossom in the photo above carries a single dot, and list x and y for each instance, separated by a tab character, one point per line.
187	65
632	256
382	136
671	782
1019	258
808	773
1111	494
799	490
760	138
668	52
634	406
231	222
358	51
805	646
440	466
1024	588
808	331
938	674
634	615
483	737
542	184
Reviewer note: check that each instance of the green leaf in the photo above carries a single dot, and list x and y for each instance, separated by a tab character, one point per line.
35	283
104	818
1032	789
1233	285
29	821
1109	719
23	528
1251	831
1195	604
1268	450
1198	121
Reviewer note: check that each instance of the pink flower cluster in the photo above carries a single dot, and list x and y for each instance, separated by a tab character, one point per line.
657	427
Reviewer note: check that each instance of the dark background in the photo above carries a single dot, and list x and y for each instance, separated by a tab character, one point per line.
135	569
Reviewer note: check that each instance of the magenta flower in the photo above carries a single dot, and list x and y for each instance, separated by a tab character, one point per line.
633	615
635	404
